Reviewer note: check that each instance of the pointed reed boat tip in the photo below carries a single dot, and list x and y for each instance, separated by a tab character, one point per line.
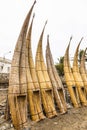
33	15
70	40
35	2
45	24
81	40
44	28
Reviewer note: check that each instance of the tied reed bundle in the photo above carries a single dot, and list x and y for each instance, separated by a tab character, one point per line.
34	95
17	91
55	80
44	81
78	78
70	79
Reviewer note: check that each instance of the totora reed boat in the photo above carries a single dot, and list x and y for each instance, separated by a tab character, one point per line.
70	82
34	96
17	91
58	89
78	79
44	81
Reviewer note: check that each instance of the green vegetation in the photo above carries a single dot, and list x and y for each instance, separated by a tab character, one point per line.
59	66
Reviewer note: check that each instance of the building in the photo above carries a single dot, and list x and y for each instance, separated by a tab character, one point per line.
5	65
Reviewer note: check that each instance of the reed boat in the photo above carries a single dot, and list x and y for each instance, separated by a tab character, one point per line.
17	91
44	81
58	89
83	71
70	82
78	78
34	96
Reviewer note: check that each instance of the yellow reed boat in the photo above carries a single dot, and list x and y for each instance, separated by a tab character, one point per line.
57	85
78	79
70	82
44	81
34	96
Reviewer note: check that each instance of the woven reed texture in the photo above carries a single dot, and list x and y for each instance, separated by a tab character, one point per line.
44	81
17	91
70	79
34	95
83	71
58	90
78	78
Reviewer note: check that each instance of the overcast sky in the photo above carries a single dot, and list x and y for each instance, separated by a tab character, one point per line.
65	18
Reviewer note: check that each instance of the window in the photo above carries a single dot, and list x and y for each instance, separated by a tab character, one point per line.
8	69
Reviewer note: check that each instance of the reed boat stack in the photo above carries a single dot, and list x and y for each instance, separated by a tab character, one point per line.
70	82
44	81
34	96
58	89
78	79
36	88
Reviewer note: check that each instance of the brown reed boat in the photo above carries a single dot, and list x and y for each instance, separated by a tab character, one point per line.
34	96
17	91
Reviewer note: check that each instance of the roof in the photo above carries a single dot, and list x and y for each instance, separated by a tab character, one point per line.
4	60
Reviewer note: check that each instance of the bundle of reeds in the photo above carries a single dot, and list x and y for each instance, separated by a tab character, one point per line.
78	78
44	81
17	91
70	79
83	71
34	96
54	77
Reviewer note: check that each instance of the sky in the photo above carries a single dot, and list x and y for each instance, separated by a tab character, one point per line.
65	18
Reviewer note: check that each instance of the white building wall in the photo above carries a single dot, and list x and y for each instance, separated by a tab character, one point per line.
5	65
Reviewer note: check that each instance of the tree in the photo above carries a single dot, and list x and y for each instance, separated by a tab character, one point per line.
80	54
59	66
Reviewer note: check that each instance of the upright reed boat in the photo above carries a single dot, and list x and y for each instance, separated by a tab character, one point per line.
78	78
83	71
34	96
58	89
44	81
70	79
17	91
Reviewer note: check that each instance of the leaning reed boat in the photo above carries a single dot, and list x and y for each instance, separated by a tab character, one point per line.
17	91
83	71
70	82
34	96
56	81
78	78
44	81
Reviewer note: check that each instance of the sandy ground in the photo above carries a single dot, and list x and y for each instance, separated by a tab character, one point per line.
74	119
